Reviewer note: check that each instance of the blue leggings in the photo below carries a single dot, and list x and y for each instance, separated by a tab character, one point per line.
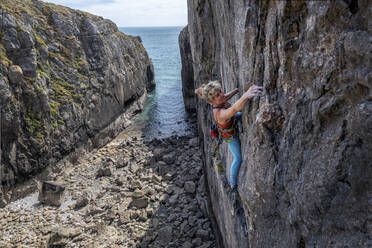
234	147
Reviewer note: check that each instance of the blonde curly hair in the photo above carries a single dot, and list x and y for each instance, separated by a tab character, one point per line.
207	91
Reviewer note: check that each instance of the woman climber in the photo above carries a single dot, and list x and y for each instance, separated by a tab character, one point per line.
227	118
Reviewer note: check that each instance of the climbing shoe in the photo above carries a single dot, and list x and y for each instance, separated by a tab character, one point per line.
234	189
233	194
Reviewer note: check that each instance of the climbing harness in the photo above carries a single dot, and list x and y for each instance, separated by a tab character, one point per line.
221	133
225	132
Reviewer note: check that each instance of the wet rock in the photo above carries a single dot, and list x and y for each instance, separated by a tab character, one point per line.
51	193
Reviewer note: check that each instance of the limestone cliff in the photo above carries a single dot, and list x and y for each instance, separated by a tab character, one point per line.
66	76
307	143
187	72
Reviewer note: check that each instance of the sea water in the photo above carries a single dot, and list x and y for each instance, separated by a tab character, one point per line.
164	114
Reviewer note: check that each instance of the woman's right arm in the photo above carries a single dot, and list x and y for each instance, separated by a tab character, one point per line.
226	114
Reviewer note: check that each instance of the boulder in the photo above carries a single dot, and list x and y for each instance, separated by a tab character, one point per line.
190	187
15	75
194	142
51	193
140	202
165	235
60	236
103	172
169	158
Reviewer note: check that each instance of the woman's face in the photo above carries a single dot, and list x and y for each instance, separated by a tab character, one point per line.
219	97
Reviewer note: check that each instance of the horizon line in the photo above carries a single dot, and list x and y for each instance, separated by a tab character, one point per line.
150	26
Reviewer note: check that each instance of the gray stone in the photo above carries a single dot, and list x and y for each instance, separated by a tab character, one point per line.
179	181
192	220
162	167
203	234
173	200
168	176
197	242
60	236
158	153
187	244
137	194
194	142
165	235
103	172
8	21
156	178
81	202
51	193
15	74
140	202
190	187
134	167
169	158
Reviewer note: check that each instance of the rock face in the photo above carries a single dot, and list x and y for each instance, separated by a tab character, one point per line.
187	72
66	76
307	143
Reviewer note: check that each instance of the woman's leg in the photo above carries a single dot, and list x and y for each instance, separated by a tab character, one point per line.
234	147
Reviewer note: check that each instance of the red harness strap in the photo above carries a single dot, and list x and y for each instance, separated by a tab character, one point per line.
227	130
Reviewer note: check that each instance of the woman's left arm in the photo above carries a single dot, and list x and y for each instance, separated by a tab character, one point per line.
231	94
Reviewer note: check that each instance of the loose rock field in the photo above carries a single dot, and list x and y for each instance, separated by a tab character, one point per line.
129	193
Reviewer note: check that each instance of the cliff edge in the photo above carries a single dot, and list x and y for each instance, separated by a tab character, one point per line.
307	143
66	78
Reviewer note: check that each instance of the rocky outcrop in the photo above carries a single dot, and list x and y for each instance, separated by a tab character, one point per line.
66	76
187	72
306	144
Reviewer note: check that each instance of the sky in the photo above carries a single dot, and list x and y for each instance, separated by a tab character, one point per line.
132	13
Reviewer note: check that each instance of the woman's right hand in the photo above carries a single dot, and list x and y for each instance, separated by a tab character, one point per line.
254	90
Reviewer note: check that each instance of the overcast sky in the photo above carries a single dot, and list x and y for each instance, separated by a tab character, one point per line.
129	13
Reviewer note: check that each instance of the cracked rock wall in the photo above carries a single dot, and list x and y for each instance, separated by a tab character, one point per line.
66	76
307	143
